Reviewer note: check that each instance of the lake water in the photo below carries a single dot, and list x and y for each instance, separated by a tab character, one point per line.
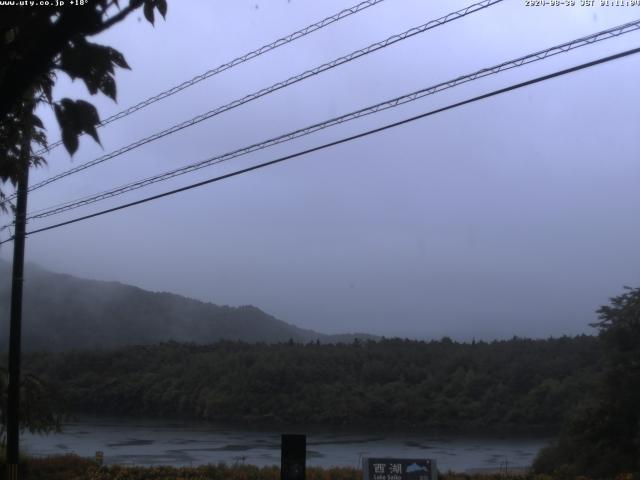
156	442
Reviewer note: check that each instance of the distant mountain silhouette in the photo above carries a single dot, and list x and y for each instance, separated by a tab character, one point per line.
63	312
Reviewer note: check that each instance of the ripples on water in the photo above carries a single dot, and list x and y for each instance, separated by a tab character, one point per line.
187	444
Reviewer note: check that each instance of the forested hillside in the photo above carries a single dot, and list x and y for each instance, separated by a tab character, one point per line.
489	386
64	312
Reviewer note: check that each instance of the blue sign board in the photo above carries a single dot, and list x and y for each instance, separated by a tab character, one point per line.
399	469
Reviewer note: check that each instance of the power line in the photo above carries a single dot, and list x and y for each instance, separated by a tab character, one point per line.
346	139
275	87
226	66
520	61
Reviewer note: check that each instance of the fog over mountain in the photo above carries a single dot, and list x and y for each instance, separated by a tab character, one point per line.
510	216
65	312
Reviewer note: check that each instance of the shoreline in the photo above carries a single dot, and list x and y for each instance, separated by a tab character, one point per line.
151	442
73	466
373	426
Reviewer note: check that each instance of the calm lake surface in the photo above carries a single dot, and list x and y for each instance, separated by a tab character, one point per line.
157	442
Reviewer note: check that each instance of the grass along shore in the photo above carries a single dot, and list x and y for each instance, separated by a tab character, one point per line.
72	467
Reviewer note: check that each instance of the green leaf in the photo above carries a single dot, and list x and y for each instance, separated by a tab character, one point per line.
69	133
108	86
47	86
36	121
70	140
148	11
58	109
118	59
162	7
94	64
75	118
37	160
87	118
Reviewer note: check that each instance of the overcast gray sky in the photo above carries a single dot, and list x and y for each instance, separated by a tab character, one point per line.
517	215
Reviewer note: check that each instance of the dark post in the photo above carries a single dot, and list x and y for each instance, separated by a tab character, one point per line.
293	457
13	400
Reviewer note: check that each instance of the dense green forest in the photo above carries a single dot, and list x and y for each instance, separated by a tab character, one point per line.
601	436
521	384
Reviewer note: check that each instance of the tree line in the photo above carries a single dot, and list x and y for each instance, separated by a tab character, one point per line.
513	384
585	388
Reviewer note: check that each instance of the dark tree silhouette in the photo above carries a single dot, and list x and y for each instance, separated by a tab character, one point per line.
41	413
38	42
603	437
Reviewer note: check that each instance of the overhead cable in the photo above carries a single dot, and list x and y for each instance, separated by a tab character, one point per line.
344	140
228	65
388	104
275	87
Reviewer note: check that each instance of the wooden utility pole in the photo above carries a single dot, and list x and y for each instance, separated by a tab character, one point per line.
15	328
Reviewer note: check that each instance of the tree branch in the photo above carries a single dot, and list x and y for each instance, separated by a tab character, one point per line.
20	75
121	15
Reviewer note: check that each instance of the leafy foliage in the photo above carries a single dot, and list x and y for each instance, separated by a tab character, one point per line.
38	407
12	132
520	384
37	43
94	64
603	436
76	117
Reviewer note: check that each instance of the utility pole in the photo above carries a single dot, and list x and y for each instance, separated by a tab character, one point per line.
15	328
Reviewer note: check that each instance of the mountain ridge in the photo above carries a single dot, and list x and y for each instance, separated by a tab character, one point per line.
63	312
